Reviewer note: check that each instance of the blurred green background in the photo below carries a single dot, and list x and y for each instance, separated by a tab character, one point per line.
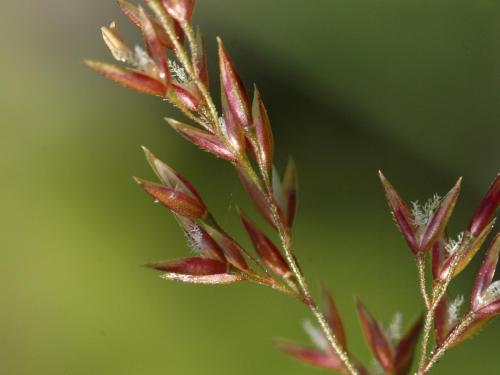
352	86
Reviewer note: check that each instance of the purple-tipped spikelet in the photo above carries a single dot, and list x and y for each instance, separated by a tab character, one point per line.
232	89
420	236
486	209
485	296
266	250
204	140
394	354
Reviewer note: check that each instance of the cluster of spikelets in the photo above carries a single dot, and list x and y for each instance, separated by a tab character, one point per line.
425	231
241	134
425	234
174	67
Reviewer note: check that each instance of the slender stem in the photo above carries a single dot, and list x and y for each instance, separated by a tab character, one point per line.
450	340
421	276
438	292
443	286
429	319
286	242
332	339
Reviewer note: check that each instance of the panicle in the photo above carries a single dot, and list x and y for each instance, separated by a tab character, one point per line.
241	133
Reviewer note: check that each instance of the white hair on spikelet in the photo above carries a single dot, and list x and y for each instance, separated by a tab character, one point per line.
454	309
393	331
178	72
316	335
453	245
423	214
492	293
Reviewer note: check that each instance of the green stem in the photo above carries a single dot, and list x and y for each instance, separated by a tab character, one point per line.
450	340
429	320
421	277
286	242
439	290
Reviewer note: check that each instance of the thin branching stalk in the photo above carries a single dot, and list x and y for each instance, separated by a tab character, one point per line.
428	324
287	245
438	292
422	281
286	242
450	341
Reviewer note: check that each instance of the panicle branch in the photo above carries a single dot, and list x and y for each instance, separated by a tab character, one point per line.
425	232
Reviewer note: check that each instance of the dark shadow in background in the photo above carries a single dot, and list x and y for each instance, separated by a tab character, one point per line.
331	138
339	151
